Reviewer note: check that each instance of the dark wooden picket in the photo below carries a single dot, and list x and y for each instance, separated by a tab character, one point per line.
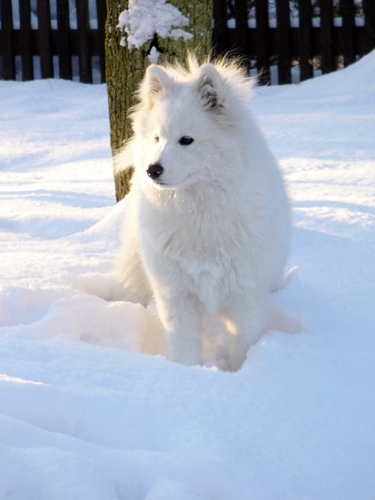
219	36
262	46
327	37
283	41
101	13
349	52
7	41
369	10
64	42
85	65
305	39
259	45
44	38
241	48
26	41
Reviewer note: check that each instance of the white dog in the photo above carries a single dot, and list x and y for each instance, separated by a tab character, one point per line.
208	228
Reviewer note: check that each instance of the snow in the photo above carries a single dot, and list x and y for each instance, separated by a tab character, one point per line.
154	55
145	18
86	414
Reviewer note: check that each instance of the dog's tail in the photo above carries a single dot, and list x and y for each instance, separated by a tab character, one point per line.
125	158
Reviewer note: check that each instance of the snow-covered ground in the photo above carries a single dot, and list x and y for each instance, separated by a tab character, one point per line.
84	415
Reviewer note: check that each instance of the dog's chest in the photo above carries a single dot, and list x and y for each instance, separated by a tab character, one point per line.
200	253
207	270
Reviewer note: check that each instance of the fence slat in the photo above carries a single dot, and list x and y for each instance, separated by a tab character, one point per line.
241	29
64	48
326	29
44	38
26	41
85	66
305	39
262	42
219	35
101	9
369	10
7	40
283	35
348	11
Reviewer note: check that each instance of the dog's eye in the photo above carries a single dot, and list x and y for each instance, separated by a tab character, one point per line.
156	138
185	140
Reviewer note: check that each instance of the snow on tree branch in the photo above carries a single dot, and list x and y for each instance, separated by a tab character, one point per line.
145	18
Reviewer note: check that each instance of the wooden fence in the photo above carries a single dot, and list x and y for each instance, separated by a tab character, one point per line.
328	45
59	44
62	42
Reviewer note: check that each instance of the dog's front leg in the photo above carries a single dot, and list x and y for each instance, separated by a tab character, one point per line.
182	323
244	320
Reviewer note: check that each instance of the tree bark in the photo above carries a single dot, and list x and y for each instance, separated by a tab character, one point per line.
125	69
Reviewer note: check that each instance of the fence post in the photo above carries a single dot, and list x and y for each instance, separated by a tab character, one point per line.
262	46
7	40
101	9
347	7
220	27
26	41
63	40
44	38
283	39
85	66
241	30
369	10
326	29
305	39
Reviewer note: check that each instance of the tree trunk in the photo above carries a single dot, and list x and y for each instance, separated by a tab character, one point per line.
125	68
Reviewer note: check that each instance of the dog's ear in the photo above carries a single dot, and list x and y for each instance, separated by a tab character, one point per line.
210	87
155	81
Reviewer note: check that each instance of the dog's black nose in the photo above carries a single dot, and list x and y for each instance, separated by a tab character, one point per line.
154	171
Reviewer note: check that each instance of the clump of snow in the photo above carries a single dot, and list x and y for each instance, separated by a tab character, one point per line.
85	413
145	18
154	55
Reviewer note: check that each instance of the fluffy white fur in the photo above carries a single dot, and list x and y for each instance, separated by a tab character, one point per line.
210	235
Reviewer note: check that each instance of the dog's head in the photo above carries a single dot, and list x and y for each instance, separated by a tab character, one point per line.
184	126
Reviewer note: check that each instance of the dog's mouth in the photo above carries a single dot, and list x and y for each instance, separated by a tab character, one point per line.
165	185
159	184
